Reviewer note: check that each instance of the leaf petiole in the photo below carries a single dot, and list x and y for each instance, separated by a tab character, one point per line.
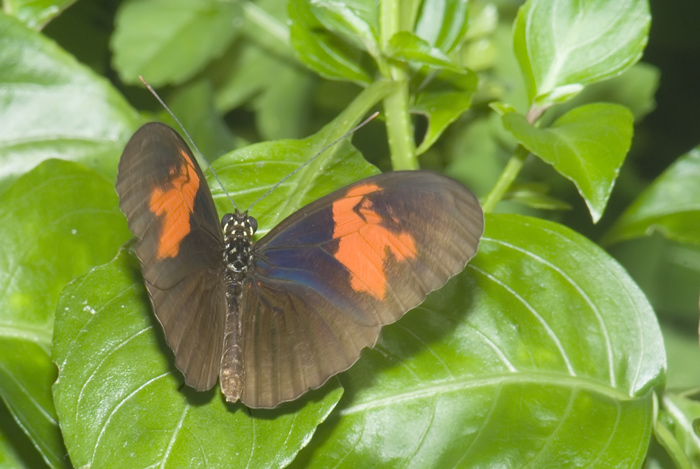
510	172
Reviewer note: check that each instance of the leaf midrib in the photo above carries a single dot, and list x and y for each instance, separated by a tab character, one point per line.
469	382
39	335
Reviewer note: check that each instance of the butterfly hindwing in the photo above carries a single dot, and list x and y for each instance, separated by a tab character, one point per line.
330	275
169	207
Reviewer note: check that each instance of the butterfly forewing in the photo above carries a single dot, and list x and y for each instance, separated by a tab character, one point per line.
170	209
329	276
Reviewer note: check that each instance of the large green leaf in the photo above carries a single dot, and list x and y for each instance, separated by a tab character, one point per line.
55	223
122	403
35	13
543	353
671	206
168	41
53	107
587	145
564	45
442	100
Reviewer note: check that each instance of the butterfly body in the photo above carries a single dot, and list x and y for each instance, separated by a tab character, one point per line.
277	317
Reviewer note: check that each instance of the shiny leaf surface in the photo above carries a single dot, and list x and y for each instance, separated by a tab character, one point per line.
53	107
587	145
542	353
56	222
671	206
564	45
168	41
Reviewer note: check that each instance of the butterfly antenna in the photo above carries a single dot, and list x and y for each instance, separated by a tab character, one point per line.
345	135
182	127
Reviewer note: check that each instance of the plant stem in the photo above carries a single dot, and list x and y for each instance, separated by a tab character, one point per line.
398	120
510	172
399	128
359	107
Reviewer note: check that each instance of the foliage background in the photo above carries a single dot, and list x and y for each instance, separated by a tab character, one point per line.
297	104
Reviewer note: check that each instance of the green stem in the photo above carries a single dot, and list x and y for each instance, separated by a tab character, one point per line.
398	119
399	128
358	109
674	450
510	172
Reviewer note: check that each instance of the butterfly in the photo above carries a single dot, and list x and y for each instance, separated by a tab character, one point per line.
275	318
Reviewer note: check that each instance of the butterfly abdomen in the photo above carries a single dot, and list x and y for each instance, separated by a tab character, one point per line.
238	244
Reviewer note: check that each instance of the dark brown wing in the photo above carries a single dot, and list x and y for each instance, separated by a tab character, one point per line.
329	276
169	207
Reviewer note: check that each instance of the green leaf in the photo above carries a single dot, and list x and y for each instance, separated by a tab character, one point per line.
117	384
117	380
279	91
194	103
16	450
168	41
408	47
35	13
442	23
534	196
478	153
587	145
482	21
674	429
564	45
543	353
283	110
255	61
669	273
51	106
442	101
670	206
242	73
681	351
250	172
322	51
56	221
355	21
634	89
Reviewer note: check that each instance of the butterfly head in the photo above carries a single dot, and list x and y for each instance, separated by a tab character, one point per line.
239	224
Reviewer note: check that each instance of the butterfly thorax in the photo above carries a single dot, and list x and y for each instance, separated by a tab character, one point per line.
238	244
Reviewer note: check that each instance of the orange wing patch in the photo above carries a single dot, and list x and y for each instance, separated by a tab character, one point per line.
175	204
364	242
